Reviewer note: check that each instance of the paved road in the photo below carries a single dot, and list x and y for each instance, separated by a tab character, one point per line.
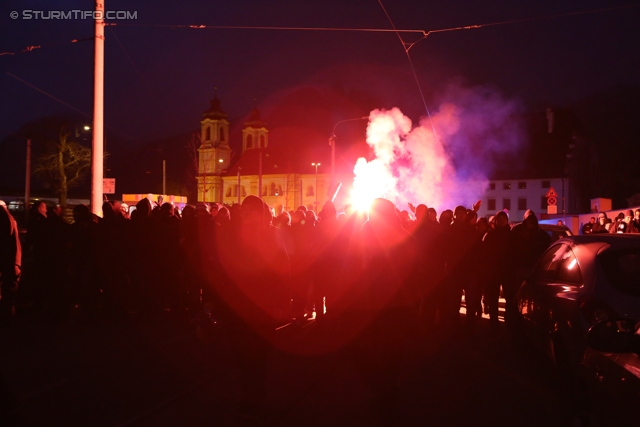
159	373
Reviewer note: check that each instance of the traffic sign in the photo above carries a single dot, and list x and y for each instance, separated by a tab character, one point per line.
552	209
108	185
551	193
552	201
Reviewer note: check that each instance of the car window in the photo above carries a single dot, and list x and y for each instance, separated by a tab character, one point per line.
622	269
558	264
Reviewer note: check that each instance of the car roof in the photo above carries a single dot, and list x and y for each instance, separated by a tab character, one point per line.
613	240
555	227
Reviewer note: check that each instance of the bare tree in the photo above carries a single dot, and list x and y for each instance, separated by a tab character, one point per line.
64	163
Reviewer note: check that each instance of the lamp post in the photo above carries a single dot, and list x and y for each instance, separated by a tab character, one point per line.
332	143
316	165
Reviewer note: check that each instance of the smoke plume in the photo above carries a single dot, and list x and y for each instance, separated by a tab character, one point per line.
445	160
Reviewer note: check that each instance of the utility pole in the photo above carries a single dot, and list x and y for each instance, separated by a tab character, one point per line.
239	168
316	165
97	157
260	176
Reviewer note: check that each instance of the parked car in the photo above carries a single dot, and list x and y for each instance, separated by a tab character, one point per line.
578	283
611	369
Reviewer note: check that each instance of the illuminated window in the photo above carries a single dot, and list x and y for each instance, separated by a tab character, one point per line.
310	191
491	204
522	204
244	192
506	204
506	186
228	192
522	185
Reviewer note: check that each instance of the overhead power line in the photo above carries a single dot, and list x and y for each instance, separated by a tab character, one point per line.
424	33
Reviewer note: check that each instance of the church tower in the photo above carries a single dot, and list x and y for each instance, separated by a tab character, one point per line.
214	153
255	133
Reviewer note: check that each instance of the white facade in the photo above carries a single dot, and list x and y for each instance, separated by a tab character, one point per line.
518	195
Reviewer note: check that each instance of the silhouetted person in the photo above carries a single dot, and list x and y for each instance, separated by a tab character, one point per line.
256	297
386	305
530	242
141	239
496	263
457	247
47	244
84	263
427	233
10	265
329	264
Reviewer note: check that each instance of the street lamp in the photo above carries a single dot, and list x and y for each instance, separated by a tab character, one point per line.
316	165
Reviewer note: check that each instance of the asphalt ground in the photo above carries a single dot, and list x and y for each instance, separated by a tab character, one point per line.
162	371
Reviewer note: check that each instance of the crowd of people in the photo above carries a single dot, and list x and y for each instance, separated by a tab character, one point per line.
625	222
379	277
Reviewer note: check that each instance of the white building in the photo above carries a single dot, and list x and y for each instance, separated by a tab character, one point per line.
518	195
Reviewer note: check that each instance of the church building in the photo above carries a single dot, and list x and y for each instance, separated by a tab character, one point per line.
283	177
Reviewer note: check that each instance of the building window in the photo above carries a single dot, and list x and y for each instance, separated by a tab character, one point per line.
262	145
249	141
546	184
492	186
491	205
522	185
244	191
543	202
506	186
506	204
228	192
522	204
222	138
310	191
207	134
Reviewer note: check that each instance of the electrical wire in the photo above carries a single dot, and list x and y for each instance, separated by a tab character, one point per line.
34	47
49	95
66	104
406	47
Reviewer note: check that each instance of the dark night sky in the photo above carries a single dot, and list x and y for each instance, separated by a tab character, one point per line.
159	79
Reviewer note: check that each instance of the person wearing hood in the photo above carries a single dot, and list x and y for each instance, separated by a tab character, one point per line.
496	263
530	242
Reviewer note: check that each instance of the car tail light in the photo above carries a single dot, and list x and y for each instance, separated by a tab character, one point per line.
595	310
